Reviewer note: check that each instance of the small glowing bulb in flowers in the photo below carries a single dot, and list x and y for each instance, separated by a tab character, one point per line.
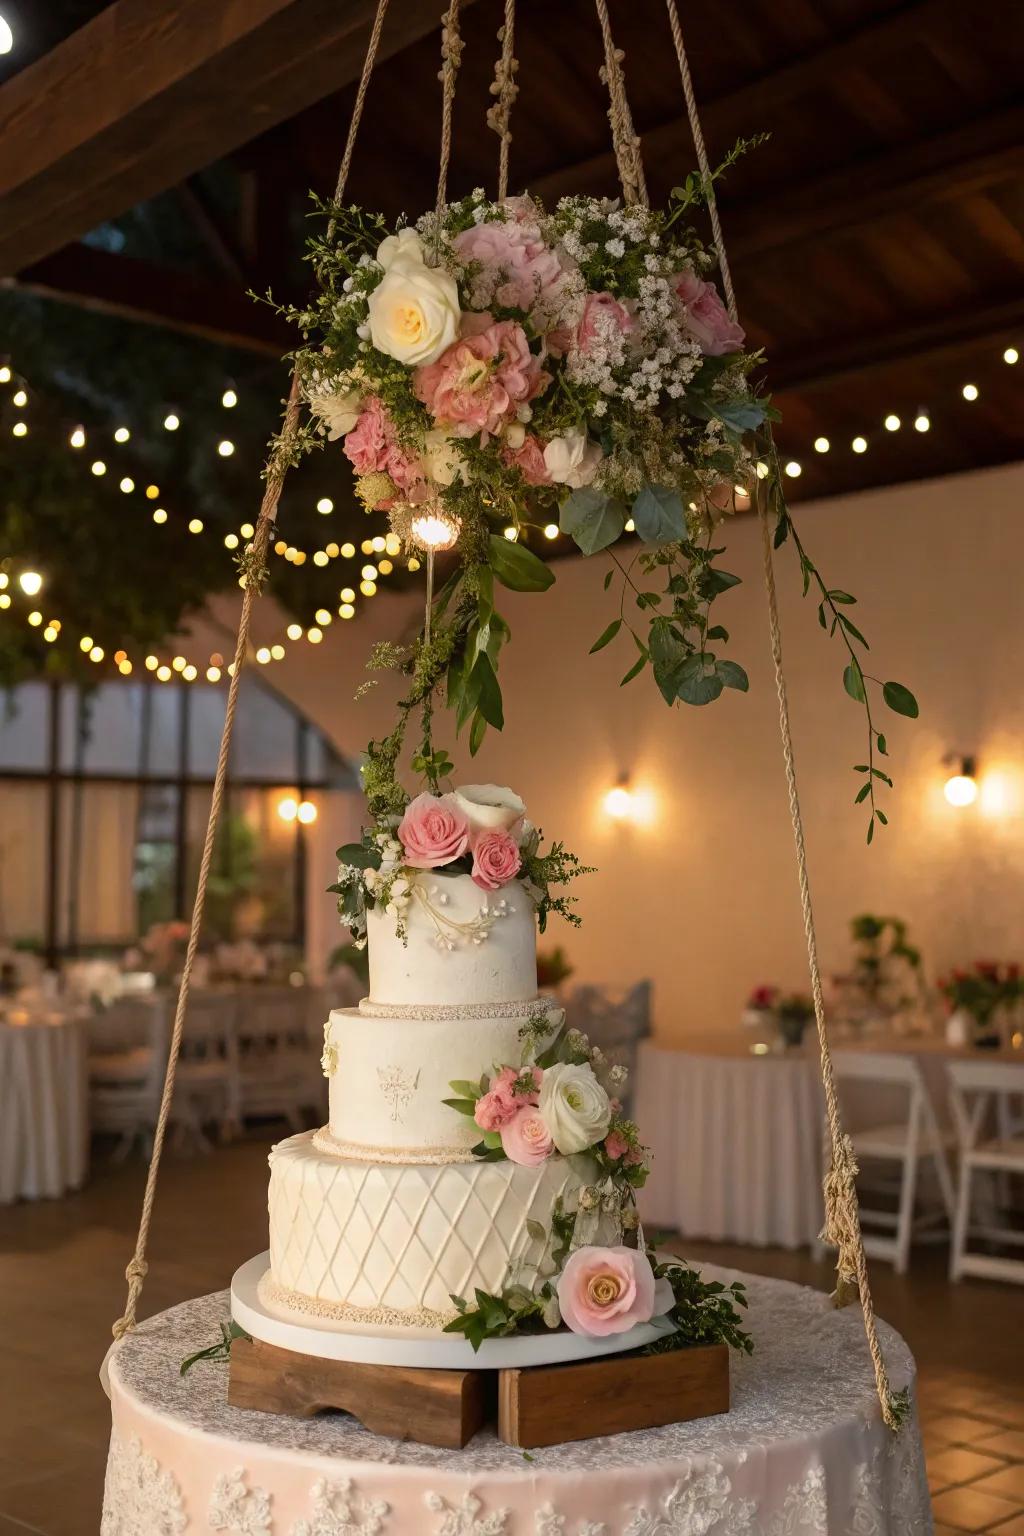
436	530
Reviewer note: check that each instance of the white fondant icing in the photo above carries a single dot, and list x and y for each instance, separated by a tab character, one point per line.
462	945
401	1240
392	1076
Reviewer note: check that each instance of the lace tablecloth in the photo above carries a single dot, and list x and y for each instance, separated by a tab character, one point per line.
44	1138
803	1452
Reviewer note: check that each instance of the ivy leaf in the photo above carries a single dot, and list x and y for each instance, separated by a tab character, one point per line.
732	675
658	515
592	519
694	685
607	636
900	700
853	681
517	567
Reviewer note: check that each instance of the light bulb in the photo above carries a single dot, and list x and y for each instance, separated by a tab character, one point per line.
6	36
96	654
122	435
321	558
294	631
189	673
551	531
434	530
970	391
152	492
793	469
178	663
347	595
306	812
392	544
263	655
19	398
859	445
821	445
86	643
164	673
49	633
35	619
171	422
1011	355
98	467
225	448
277	652
618	803
322	617
124	667
378	545
20	429
159	515
961	789
288	808
77	438
127	485
5	374
892	422
348	551
369	573
314	635
30	583
333	551
368	588
921	422
195	525
346	611
512	534
247	530
325	505
152	662
231	541
229	399
213	674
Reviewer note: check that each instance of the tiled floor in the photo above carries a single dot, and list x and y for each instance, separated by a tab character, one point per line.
61	1286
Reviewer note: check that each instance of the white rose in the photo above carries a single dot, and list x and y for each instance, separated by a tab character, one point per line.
572	460
338	411
489	805
414	312
574	1107
441	459
406	244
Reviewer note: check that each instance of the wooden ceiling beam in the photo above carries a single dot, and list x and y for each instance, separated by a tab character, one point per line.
751	106
150	91
217	311
953	331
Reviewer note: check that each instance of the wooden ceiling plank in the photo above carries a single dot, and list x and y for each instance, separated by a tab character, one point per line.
150	91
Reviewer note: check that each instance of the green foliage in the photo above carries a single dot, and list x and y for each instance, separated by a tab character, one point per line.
705	1311
229	1332
555	867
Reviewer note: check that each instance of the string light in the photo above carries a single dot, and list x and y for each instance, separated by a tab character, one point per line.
347	595
152	662
348	551
921	422
19	398
294	631
378	544
35	618
225	448
1011	356
77	438
122	435
86	643
821	445
96	654
189	673
195	525
314	636
346	611
127	485
630	525
334	551
5	600
229	399
159	515
892	422
178	663
30	583
171	422
369	573
19	429
551	530
263	655
368	588
970	391
306	812
164	673
50	634
5	374
277	652
325	505
392	544
859	445
385	567
288	808
231	541
512	534
321	558
322	617
98	467
793	470
213	674
247	530
125	667
152	492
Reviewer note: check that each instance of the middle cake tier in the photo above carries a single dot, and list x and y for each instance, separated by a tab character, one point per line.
390	1070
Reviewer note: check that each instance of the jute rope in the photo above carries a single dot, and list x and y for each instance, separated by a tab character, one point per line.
451	58
505	89
842	1215
624	139
256	556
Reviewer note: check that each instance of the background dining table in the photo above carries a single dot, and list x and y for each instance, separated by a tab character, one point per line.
44	1135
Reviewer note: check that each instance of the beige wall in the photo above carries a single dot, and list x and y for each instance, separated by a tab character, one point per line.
703	898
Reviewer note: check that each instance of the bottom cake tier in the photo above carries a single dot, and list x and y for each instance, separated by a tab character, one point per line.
388	1245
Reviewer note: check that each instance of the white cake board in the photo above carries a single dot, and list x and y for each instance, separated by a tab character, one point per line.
417	1347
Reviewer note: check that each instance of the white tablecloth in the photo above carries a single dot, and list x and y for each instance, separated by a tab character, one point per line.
803	1452
737	1145
44	1148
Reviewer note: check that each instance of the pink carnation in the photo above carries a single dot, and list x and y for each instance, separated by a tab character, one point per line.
432	832
529	460
372	446
603	317
517	269
706	315
478	384
525	1139
500	1104
606	1290
496	858
616	1145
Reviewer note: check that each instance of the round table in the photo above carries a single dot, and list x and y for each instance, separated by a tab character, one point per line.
803	1452
736	1144
44	1141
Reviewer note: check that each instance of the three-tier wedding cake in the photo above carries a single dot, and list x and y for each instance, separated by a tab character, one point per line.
472	1140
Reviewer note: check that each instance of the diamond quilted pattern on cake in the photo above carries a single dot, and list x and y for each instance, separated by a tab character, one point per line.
404	1238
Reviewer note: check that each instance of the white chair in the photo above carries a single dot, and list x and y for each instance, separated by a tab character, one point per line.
206	1084
280	1040
908	1141
127	1061
977	1087
615	1019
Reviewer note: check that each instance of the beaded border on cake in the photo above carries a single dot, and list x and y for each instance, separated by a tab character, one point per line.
356	1152
523	1009
273	1294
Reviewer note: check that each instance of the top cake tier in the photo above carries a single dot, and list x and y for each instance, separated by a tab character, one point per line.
462	945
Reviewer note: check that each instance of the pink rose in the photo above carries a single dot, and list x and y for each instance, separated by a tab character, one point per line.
496	858
616	1145
432	832
606	1290
604	319
525	1139
528	458
707	316
517	269
478	384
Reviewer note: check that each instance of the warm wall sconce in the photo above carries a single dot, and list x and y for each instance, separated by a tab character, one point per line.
625	803
961	788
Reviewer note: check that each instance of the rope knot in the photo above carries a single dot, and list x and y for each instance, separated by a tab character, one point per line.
136	1272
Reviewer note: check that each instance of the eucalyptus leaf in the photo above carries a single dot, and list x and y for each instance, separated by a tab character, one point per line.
853	681
667	656
732	675
697	680
606	636
592	519
658	515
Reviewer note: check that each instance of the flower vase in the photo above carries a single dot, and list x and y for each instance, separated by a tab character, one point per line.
960	1027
